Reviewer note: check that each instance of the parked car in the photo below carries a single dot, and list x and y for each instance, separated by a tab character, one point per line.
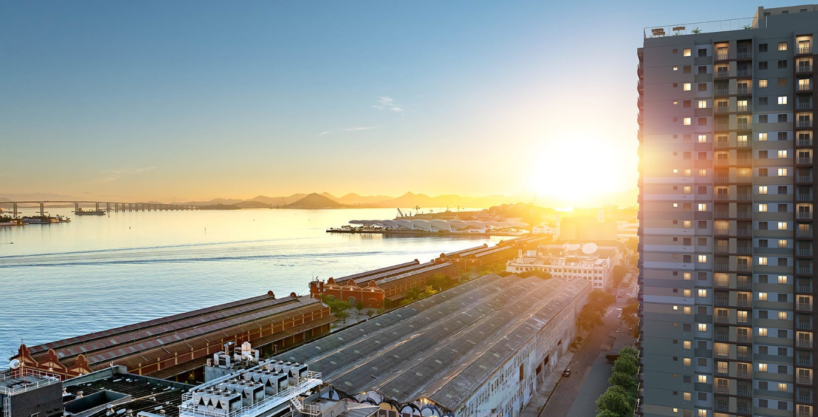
566	372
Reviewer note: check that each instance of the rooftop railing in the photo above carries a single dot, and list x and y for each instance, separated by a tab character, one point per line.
700	27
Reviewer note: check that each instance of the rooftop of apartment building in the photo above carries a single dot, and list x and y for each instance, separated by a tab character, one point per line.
763	18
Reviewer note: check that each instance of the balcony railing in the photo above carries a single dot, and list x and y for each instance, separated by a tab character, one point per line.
744	197
722	302
743	126
803	233
744	55
804	252
722	250
804	306
744	215
804	343
722	196
803	123
744	178
804	196
743	268
806	380
744	285
722	214
721	407
804	361
802	215
803	160
722	267
722	390
744	232
722	126
740	373
722	337
743	90
742	108
803	87
721	55
803	68
722	91
743	409
803	105
744	73
804	398
721	74
720	231
722	283
743	303
804	49
804	270
720	178
722	320
744	250
743	392
804	142
805	178
805	288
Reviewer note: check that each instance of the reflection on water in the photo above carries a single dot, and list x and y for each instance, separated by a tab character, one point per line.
62	280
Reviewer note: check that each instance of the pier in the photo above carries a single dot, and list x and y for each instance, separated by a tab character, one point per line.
99	206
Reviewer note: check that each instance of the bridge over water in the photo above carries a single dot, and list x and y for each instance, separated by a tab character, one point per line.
107	206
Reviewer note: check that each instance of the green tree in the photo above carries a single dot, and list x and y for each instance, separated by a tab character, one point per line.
601	298
626	365
630	313
632	244
359	305
614	401
342	315
629	351
619	272
623	380
607	413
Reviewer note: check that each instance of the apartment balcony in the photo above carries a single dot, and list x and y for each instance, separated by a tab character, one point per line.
806	344
805	289
743	409
722	267
804	413
722	320
722	126
803	325
743	303
803	123
722	179
804	306
744	214
744	73
721	56
744	285
744	55
722	250
803	233
744	108
806	105
744	250
804	196
743	392
805	161
722	214
804	270
721	390
744	374
804	178
722	196
804	361
804	50
722	337
802	215
744	178
743	126
804	142
722	92
803	69
721	231
744	233
721	110
804	252
744	197
743	90
804	380
803	87
722	407
721	74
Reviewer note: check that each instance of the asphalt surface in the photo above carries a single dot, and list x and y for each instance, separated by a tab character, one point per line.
586	384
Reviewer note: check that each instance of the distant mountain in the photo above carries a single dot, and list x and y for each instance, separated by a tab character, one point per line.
252	204
279	201
214	202
353	199
316	201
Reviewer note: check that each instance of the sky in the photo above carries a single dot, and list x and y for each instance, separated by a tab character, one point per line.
185	100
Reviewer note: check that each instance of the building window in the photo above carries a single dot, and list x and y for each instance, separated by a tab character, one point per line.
782	153
762	65
782	82
702	291
762	83
687	86
762	260
782	279
782	118
782	244
782	46
686	52
782	64
675	68
702	379
702	207
782	315
782	225
762	189
702	138
762	47
762	296
762	101
762	137
686	121
762	118
782	172
702	104
762	208
782	100
702	327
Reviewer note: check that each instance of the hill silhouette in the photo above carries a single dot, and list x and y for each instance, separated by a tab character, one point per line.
316	201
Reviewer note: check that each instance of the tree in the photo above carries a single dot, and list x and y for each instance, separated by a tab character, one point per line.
359	305
342	315
607	413
629	351
614	401
626	365
623	380
589	317
440	282
602	298
629	313
619	272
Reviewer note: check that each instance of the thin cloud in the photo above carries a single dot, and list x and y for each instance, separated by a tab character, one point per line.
389	104
324	133
348	129
111	175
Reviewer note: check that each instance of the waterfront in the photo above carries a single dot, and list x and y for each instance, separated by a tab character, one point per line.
95	273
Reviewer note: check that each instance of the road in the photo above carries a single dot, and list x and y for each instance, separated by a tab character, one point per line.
562	400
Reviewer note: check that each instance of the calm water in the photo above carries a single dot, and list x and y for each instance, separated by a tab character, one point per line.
95	273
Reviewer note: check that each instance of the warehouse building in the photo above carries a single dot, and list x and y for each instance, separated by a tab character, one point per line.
479	349
176	345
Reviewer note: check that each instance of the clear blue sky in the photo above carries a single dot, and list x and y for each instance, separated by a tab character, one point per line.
164	99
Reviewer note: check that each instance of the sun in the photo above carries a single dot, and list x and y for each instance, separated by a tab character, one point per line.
577	170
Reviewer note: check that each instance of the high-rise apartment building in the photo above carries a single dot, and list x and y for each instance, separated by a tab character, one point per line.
727	135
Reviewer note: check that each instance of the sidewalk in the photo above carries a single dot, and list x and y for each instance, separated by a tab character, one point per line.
544	391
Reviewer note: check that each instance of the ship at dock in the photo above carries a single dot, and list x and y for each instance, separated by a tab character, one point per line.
81	212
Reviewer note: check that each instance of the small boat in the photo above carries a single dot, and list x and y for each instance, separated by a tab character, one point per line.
6	221
40	220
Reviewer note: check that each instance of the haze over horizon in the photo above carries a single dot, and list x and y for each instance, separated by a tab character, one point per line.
190	101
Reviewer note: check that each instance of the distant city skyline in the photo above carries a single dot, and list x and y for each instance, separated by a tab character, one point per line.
190	101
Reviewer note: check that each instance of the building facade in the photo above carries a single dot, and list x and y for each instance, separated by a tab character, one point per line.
569	262
726	130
